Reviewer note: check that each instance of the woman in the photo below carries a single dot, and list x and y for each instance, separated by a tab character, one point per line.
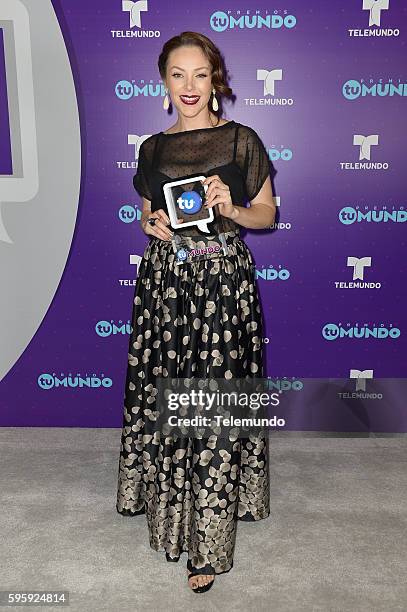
187	321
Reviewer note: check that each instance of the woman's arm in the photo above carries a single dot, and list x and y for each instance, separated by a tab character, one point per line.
262	211
145	211
160	229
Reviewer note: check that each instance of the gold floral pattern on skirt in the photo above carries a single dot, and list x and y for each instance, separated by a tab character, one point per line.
200	319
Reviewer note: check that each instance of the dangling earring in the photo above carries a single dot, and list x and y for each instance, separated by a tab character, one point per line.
166	102
215	104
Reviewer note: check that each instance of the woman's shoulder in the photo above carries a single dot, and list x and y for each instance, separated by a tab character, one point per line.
247	132
150	140
147	145
250	139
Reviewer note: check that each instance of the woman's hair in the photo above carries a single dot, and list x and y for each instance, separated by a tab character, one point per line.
213	54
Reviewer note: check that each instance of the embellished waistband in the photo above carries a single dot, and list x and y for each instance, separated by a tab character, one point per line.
206	239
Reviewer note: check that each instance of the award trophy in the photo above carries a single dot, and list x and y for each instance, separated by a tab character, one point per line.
198	232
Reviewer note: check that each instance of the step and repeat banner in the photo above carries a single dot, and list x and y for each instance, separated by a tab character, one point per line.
322	83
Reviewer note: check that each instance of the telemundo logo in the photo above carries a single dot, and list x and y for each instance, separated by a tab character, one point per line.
48	381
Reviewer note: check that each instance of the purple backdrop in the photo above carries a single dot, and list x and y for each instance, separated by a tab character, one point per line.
6	167
333	267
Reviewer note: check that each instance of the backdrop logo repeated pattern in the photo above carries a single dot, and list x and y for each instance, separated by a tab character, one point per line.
352	90
375	8
104	329
359	331
313	80
361	377
135	11
129	213
220	21
348	215
47	381
365	144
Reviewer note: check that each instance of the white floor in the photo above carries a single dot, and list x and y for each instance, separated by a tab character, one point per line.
335	541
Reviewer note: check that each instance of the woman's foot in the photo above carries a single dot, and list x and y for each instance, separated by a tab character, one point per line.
199	581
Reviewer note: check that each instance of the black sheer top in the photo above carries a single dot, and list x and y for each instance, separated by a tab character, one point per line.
233	151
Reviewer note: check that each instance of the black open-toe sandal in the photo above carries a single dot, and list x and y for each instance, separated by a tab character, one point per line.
171	559
200	572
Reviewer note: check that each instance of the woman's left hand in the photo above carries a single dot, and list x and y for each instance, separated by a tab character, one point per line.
219	193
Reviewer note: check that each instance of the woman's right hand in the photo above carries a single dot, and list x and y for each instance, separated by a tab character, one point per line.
159	229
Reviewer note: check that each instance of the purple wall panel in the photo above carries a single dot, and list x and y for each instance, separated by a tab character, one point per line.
317	125
6	164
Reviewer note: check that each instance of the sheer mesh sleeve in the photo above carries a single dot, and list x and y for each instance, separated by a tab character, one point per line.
256	166
142	176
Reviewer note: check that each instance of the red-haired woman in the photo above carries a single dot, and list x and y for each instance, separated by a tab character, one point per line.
201	319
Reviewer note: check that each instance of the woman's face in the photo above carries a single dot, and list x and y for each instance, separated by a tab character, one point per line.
189	74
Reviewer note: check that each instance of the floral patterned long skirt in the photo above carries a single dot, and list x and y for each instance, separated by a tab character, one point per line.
199	319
